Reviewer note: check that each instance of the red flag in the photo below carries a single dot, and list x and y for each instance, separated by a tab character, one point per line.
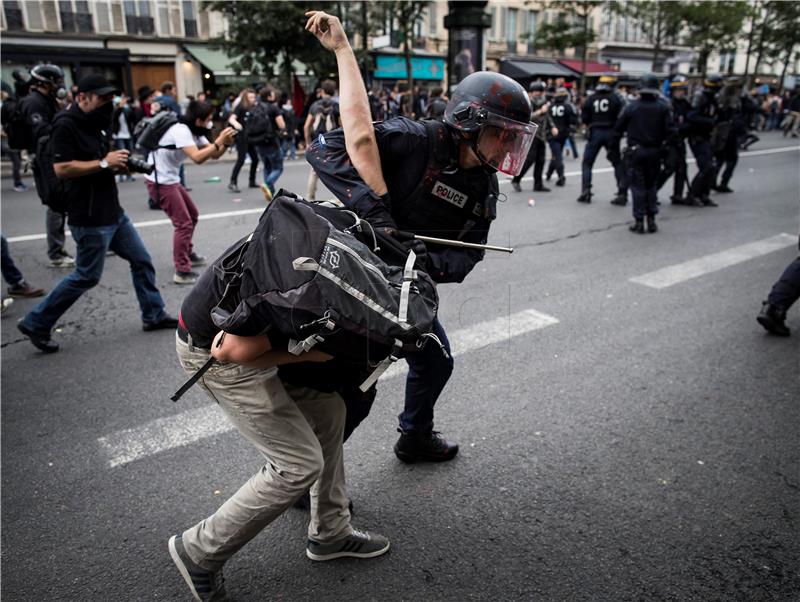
298	96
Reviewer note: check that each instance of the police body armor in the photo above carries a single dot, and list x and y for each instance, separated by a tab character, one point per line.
605	108
448	202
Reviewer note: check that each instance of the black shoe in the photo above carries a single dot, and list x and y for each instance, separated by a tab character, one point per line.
541	188
773	320
637	227
424	447
678	200
233	187
620	200
167	322
515	185
561	181
549	175
585	197
253	185
692	201
707	202
197	260
723	188
652	227
153	205
42	342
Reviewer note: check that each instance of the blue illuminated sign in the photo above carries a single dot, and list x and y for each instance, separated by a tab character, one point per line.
394	67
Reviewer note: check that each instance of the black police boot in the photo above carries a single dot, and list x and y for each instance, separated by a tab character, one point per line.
638	227
620	199
652	227
707	202
424	447
541	188
585	197
561	181
677	200
724	188
773	319
692	201
515	185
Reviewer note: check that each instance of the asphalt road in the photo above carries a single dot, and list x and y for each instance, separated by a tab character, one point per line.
635	443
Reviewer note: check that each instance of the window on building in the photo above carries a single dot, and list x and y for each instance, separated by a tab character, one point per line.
531	30
511	29
433	24
503	24
108	16
75	16
203	24
189	20
493	30
137	17
12	12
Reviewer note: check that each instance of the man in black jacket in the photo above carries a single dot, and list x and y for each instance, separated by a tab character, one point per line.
97	222
703	118
38	109
648	125
675	161
564	119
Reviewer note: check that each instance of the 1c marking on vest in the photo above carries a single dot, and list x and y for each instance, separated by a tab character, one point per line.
451	195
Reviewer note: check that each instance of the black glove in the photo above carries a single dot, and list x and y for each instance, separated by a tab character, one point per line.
379	217
412	244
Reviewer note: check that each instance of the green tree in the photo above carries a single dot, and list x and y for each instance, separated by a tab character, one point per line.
407	14
266	37
785	34
660	22
572	29
713	25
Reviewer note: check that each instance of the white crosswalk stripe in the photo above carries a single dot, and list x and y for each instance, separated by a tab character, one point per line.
162	434
687	270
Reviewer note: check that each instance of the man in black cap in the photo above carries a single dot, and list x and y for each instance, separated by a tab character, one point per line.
97	222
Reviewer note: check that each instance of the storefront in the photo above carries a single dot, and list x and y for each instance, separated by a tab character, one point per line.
427	69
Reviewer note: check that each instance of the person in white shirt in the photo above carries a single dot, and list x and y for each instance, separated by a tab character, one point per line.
188	138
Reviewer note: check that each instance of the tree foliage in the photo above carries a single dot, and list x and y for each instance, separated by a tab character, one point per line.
660	22
266	37
712	26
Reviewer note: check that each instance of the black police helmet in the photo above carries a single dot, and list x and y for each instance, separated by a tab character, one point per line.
648	84
482	93
537	86
713	81
50	74
495	111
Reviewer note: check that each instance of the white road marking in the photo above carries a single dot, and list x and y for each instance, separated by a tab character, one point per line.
162	434
693	268
224	214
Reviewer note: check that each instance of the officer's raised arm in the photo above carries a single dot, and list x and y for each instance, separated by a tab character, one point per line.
361	145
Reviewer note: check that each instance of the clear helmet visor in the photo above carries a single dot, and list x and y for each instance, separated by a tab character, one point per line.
503	144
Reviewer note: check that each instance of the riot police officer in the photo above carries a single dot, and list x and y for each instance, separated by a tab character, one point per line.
564	118
702	118
439	179
647	122
38	109
675	160
541	117
735	109
599	114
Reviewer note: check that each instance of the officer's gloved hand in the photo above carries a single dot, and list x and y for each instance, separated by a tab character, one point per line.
381	219
412	244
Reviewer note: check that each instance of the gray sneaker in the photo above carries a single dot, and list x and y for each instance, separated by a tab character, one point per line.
206	586
185	277
359	544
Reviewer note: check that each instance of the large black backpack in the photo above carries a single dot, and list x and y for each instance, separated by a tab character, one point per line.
17	130
149	130
259	125
50	188
323	288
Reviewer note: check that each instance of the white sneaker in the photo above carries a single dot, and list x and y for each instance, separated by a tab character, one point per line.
62	261
185	277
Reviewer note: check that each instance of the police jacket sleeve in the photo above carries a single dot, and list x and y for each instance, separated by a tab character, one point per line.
328	157
620	127
695	115
452	264
586	113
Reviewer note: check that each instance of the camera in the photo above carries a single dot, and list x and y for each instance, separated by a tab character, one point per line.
137	165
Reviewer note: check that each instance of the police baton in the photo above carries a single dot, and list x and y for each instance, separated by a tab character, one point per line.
451	243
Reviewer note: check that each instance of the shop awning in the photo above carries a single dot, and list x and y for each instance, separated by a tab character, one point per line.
215	61
527	69
592	67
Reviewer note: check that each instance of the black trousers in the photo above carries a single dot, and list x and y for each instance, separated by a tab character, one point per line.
536	158
674	165
643	178
600	138
728	159
242	151
702	182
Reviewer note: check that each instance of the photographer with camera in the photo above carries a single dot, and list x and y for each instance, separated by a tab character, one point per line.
86	169
187	138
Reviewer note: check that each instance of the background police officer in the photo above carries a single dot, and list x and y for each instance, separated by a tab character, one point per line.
703	118
599	114
735	110
540	115
564	118
38	108
675	161
648	124
438	179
